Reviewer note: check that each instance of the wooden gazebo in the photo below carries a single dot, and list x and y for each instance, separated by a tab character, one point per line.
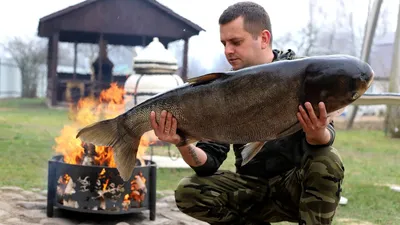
116	22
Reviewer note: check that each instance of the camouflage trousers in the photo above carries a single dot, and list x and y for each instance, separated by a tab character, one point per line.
306	195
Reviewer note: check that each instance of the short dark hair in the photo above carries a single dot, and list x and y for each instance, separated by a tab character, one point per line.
254	15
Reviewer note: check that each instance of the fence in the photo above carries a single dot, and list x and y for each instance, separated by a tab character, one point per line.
11	80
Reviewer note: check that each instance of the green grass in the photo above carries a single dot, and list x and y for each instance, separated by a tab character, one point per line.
27	134
372	161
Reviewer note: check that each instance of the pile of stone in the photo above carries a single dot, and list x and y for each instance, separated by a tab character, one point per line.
23	207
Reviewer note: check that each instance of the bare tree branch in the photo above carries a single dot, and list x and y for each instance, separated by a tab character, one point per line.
29	55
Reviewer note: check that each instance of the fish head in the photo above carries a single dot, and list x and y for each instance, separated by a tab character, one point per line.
336	80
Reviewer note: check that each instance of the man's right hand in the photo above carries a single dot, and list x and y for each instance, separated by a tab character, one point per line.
165	130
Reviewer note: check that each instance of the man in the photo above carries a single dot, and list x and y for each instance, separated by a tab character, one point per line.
296	178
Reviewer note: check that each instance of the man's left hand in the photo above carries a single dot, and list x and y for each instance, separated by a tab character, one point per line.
314	127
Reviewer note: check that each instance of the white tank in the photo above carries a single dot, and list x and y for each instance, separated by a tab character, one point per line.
154	72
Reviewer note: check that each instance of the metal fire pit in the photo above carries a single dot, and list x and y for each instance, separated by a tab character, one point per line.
100	189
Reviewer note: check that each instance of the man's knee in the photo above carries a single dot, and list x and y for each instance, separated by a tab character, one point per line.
322	175
325	162
193	196
186	193
216	199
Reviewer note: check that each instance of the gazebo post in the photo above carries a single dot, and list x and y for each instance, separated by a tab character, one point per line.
52	62
100	57
185	60
75	59
143	41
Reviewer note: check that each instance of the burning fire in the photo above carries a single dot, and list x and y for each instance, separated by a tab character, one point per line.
89	110
138	190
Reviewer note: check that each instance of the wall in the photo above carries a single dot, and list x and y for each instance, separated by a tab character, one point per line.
10	80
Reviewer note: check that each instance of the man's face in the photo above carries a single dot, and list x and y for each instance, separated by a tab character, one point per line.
241	48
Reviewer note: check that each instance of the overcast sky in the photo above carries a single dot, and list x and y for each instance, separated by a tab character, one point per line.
21	17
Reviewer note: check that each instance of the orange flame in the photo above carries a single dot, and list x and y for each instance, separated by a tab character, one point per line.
87	111
137	187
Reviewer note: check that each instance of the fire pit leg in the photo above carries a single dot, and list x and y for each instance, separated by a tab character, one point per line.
51	188
153	192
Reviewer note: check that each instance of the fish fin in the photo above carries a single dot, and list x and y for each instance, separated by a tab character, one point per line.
250	150
205	78
125	157
110	133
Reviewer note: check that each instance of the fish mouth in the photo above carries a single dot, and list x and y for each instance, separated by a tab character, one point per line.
356	95
369	82
366	81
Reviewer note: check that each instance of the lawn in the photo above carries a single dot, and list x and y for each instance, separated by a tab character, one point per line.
372	161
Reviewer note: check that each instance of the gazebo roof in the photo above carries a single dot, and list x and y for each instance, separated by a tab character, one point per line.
122	22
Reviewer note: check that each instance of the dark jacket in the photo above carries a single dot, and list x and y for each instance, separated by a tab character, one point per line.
276	156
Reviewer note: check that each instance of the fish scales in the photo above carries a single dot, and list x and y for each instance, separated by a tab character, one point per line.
235	91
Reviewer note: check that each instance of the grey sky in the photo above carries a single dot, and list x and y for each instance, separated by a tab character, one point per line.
20	17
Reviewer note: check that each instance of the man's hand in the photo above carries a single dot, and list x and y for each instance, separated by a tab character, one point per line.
315	128
166	129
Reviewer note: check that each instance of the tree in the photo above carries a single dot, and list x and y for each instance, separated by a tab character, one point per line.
340	35
369	31
29	55
305	41
393	112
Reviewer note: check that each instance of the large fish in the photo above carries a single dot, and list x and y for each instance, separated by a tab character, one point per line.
251	105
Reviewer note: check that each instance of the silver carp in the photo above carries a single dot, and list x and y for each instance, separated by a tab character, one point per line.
251	105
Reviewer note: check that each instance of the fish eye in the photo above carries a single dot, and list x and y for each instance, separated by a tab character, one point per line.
355	95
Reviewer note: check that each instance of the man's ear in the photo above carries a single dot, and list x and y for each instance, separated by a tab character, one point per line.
265	39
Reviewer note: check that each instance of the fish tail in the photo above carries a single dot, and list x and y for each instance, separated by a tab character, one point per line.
113	133
250	150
